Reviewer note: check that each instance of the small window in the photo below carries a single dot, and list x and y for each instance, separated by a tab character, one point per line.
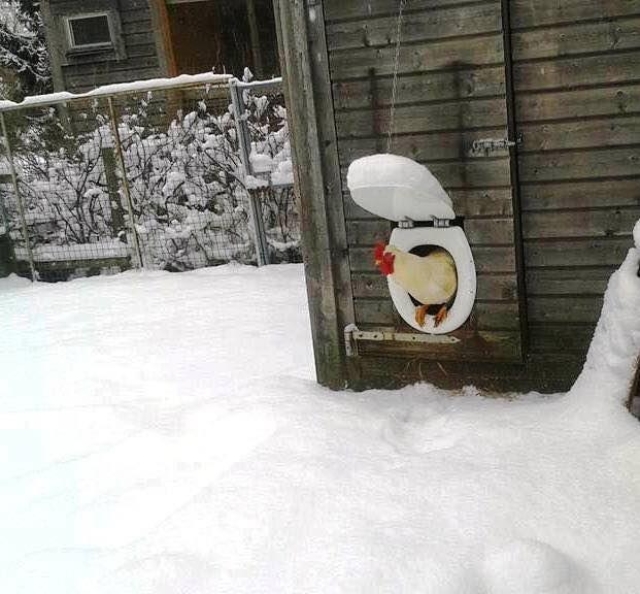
89	31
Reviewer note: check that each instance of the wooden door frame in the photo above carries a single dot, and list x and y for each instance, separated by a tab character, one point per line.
307	86
513	135
162	34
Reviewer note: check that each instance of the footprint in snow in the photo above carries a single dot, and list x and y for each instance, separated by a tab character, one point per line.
420	435
532	567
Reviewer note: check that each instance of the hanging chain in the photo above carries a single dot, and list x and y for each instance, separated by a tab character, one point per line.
396	66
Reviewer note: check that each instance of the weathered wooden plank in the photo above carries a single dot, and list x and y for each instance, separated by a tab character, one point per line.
136	15
577	165
429	86
304	62
570	310
499	315
494	231
571	254
493	259
570	72
473	346
338	9
374	312
419	26
422	147
609	222
472	174
413	119
577	38
598	133
482	203
141	51
578	104
548	338
369	285
541	373
466	203
532	13
140	38
496	315
579	281
495	287
581	194
116	66
368	232
458	53
479	231
133	27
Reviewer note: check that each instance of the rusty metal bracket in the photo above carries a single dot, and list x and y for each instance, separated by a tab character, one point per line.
352	335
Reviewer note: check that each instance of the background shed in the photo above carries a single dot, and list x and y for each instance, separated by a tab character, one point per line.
144	39
548	219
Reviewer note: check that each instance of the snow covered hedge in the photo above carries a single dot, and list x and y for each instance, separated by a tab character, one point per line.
184	175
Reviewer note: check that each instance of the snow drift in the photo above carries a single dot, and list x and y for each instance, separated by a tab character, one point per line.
163	433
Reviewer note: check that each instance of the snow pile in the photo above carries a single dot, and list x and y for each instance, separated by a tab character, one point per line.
397	188
163	433
615	349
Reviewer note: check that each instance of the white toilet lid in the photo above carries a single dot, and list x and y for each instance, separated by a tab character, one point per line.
398	188
455	242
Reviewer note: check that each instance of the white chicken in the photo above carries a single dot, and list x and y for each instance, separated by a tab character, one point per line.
430	280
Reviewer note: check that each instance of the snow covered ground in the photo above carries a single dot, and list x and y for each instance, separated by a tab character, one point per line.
163	434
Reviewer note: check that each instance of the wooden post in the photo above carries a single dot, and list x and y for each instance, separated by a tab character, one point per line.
162	34
304	60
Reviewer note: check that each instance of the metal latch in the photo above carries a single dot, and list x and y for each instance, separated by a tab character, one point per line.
491	145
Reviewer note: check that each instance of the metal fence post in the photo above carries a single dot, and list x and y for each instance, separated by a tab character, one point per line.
16	187
125	182
244	145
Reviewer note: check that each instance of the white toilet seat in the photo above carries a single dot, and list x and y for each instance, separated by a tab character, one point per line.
454	240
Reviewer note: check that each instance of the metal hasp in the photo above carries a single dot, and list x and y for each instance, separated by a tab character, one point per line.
352	335
491	145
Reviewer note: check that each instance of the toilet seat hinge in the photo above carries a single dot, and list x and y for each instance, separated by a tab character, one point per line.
441	222
406	223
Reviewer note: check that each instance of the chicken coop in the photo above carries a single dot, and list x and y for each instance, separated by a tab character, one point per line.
527	114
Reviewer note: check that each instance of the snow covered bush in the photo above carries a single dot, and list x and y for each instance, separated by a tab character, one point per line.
184	175
24	60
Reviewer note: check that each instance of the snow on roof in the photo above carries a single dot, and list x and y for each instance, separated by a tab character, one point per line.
154	84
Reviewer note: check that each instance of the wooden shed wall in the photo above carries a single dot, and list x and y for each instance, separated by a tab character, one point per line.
451	91
576	72
82	73
577	85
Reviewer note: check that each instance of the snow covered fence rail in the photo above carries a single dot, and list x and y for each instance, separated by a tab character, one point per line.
147	174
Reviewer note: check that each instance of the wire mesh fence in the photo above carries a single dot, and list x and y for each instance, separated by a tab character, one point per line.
151	178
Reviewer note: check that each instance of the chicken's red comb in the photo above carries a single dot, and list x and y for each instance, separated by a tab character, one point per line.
378	251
